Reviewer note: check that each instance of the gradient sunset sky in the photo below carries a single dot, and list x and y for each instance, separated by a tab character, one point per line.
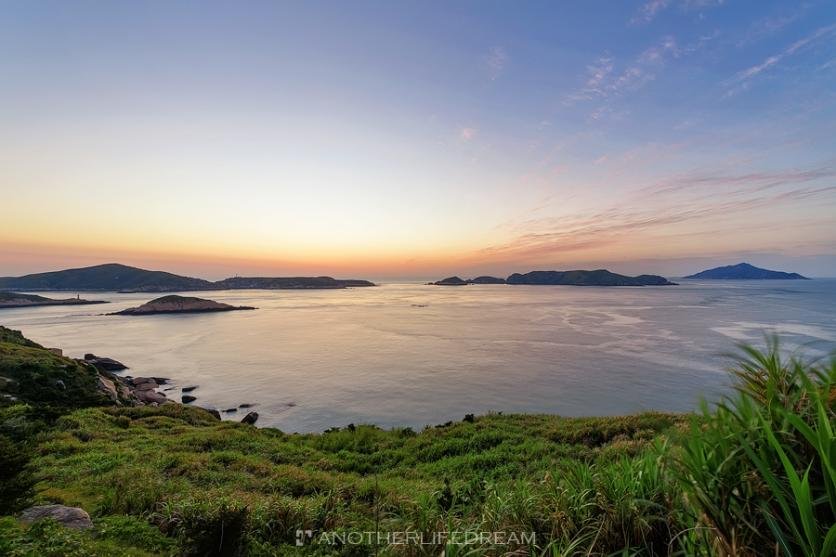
417	139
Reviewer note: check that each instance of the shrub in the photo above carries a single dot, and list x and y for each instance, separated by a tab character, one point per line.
760	470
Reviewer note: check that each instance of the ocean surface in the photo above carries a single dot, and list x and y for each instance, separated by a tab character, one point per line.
415	355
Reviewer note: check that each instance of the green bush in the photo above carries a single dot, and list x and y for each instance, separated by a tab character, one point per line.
759	471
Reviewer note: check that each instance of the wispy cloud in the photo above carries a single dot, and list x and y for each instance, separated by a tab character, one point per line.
741	81
605	82
662	209
768	26
496	61
648	11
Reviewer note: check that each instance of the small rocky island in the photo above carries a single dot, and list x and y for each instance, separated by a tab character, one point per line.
450	281
179	304
458	281
18	300
745	271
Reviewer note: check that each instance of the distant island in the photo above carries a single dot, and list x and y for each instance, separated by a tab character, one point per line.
600	277
745	271
458	281
114	277
18	300
179	304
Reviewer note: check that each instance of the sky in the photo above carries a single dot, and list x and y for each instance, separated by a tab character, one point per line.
417	139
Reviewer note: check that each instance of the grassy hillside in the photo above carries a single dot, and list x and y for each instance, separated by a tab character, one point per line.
754	476
33	375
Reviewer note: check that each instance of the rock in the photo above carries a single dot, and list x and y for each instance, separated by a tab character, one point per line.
145	387
150	396
69	517
230	410
108	387
136	381
213	412
106	364
188	398
189	389
56	351
250	418
160	380
245	405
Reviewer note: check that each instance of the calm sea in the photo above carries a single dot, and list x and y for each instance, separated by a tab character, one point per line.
412	355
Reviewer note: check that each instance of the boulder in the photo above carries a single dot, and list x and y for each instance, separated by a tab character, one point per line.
108	387
106	364
230	410
150	396
188	398
213	412
250	418
137	381
189	389
69	517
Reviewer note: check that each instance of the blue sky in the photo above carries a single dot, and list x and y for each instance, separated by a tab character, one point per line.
418	138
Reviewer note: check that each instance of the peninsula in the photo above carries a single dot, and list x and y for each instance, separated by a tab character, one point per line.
18	300
745	271
179	304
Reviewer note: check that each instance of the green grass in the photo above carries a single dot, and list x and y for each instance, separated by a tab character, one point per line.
751	476
186	472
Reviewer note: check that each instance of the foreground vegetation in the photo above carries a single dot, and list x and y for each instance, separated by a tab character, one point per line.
751	476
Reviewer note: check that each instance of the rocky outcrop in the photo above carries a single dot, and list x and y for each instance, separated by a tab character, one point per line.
179	304
106	364
108	387
212	411
144	390
69	517
250	418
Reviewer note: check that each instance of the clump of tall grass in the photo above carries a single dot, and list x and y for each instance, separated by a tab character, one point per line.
759	469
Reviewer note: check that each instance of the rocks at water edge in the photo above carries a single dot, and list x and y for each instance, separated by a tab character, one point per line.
212	411
69	517
250	418
106	364
188	398
189	389
144	390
